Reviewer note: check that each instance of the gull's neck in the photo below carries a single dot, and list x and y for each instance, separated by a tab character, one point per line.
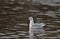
31	22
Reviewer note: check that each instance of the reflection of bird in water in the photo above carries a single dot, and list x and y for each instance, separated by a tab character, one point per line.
34	27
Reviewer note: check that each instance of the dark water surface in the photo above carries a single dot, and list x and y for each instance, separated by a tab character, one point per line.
14	23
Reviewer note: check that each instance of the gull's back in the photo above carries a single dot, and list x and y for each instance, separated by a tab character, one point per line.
38	25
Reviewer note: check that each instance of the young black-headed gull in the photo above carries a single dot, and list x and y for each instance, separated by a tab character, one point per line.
33	26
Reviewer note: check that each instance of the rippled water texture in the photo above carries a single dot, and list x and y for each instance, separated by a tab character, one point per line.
14	23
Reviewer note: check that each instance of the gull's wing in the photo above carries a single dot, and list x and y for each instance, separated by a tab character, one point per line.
38	25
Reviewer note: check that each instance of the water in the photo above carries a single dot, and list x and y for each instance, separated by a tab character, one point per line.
22	31
14	24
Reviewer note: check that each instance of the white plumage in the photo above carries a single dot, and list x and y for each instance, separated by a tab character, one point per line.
34	27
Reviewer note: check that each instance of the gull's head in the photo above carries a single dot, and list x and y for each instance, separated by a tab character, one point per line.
30	18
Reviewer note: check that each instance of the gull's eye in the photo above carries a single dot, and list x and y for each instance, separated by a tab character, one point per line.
30	18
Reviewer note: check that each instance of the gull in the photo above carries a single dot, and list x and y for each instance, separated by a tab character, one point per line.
33	26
